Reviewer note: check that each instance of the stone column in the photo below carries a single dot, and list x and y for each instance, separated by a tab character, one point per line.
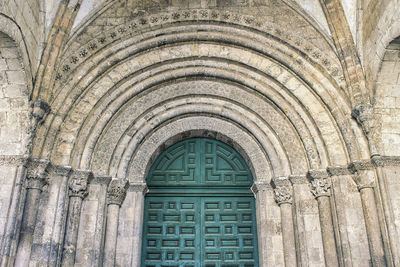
116	193
35	180
364	177
283	193
77	183
321	189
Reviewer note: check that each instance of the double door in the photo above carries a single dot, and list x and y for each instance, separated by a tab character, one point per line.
199	231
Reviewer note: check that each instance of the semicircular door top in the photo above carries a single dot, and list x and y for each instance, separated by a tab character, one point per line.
199	211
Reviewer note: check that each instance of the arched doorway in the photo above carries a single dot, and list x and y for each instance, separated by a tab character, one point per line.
199	210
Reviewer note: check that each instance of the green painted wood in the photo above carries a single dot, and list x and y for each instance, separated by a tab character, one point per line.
200	162
199	211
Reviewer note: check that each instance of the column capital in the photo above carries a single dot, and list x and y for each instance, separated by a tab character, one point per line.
116	191
78	183
283	191
37	173
320	184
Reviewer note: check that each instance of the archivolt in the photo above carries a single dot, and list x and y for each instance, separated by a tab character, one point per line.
90	106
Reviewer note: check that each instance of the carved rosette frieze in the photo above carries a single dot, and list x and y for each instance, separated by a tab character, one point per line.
37	173
116	191
78	183
363	173
320	183
283	191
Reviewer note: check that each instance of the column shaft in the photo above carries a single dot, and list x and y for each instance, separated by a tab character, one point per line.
328	237
289	244
71	231
111	235
27	227
372	226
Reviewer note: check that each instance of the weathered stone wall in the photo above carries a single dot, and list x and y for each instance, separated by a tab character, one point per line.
29	17
14	131
387	100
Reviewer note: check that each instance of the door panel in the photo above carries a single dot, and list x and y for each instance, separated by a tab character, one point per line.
200	232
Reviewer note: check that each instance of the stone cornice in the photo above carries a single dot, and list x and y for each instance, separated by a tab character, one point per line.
317	174
259	187
59	170
138	187
116	191
386	161
298	179
338	170
101	180
13	160
361	165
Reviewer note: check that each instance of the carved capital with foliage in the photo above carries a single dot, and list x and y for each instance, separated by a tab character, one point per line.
283	190
320	183
116	191
78	183
37	175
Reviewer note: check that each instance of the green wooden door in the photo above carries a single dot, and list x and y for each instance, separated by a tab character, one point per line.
199	211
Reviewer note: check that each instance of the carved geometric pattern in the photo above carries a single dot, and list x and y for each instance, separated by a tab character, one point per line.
198	162
199	231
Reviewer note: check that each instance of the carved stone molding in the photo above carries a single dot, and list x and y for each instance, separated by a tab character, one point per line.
138	187
363	114
37	173
338	170
283	191
116	191
298	179
260	187
78	183
320	184
361	165
13	160
386	161
59	170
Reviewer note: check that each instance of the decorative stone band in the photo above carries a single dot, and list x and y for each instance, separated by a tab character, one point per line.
78	183
37	173
298	179
386	161
138	187
283	190
320	184
260	187
338	170
59	170
116	191
364	174
13	160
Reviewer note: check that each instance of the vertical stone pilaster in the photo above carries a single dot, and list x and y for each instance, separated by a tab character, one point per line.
283	193
77	184
36	178
364	177
266	224
116	193
136	193
320	187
